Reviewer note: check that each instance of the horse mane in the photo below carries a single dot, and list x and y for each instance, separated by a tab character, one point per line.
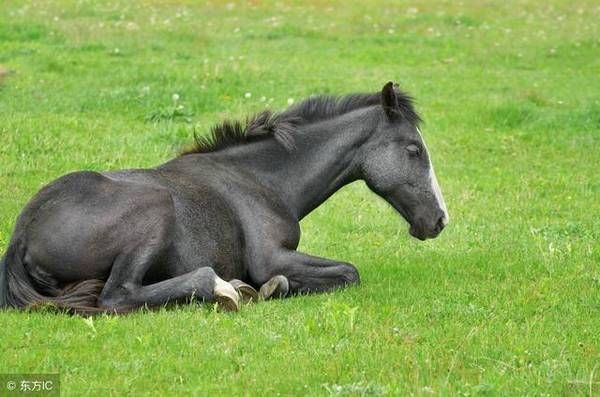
323	107
231	133
283	125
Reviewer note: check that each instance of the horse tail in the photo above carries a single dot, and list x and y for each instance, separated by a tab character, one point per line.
19	291
3	284
20	288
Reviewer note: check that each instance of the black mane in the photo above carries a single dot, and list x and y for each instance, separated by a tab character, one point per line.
230	133
282	125
323	107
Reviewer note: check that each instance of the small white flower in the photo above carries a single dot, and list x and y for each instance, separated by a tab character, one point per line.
175	97
248	95
290	101
263	98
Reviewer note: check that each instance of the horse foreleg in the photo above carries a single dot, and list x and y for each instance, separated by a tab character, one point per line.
292	272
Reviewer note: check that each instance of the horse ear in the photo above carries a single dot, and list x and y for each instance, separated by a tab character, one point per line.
389	100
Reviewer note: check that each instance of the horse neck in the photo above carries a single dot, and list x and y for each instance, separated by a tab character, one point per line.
323	160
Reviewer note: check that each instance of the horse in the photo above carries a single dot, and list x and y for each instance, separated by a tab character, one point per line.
226	209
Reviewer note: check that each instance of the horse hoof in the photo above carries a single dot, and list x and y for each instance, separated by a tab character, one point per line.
277	287
248	294
226	296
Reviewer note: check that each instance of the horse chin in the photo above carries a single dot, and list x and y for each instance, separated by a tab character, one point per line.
421	233
417	232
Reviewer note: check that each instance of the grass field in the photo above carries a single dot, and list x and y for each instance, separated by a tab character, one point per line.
505	302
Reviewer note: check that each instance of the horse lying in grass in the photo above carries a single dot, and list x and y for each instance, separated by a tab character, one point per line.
229	209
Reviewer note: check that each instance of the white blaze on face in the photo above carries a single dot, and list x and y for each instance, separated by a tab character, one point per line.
435	186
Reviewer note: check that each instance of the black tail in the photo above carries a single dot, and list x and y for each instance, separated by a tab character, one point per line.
3	284
18	287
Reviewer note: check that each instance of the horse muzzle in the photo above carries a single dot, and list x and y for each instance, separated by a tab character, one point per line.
421	231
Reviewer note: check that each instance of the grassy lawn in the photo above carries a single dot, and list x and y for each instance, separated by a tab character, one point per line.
505	302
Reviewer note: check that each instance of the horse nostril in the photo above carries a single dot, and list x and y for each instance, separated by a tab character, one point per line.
441	223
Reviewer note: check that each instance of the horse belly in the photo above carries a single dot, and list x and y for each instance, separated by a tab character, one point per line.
206	234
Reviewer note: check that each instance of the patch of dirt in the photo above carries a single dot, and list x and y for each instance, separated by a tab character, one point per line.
4	72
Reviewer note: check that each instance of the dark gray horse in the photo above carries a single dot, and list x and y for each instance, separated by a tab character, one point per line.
226	210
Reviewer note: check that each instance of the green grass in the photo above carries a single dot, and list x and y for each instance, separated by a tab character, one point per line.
505	302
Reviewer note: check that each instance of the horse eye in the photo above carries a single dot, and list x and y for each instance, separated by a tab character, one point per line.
413	150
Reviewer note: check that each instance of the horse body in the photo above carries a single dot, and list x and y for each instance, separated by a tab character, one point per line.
124	239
